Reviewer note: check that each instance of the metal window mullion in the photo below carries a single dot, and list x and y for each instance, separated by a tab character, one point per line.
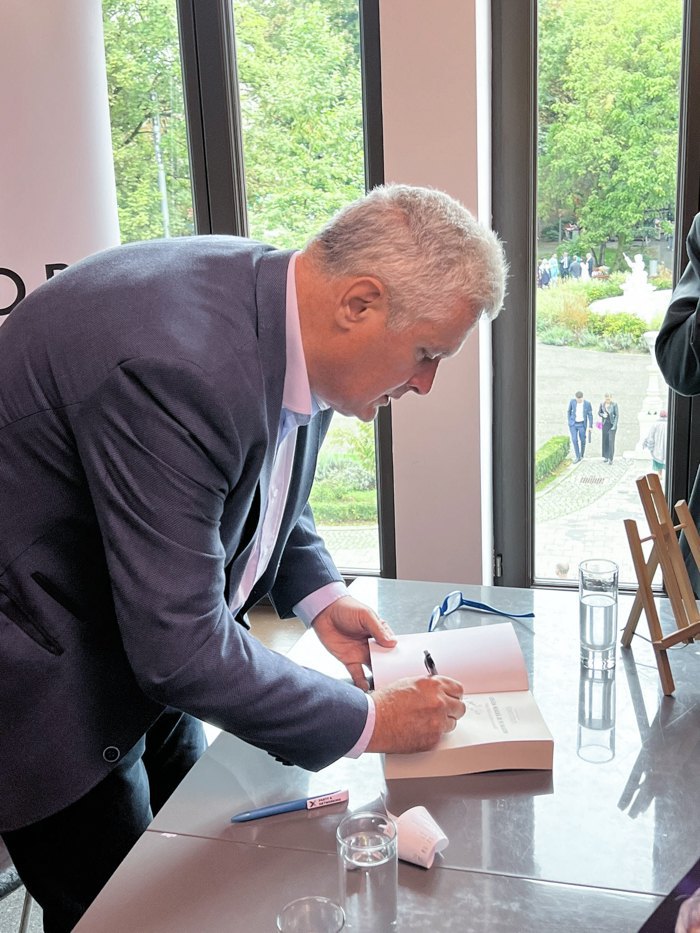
370	55
207	43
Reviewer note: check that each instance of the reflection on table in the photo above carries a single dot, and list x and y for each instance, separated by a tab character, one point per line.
605	834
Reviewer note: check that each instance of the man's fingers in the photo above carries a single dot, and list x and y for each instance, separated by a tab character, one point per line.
452	688
456	711
382	633
359	678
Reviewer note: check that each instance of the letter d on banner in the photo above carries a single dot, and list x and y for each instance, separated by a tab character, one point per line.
58	198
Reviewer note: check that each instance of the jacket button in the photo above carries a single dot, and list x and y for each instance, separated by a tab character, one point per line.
111	753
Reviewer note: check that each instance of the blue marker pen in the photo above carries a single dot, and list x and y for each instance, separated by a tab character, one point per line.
303	803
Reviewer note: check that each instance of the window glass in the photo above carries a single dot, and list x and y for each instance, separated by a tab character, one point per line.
301	111
149	137
608	105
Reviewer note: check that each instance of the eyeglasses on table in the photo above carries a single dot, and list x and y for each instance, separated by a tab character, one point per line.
456	600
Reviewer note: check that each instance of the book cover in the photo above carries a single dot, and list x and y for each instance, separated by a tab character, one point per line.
502	729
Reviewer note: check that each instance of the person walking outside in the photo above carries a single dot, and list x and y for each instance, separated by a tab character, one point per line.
580	418
656	443
608	414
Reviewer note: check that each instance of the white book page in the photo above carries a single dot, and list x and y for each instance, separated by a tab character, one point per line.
483	659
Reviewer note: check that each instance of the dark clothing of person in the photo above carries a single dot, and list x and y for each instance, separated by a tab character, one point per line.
609	419
106	822
140	406
678	355
578	429
575	269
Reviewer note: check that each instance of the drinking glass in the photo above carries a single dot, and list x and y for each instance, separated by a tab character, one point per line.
368	867
311	915
597	590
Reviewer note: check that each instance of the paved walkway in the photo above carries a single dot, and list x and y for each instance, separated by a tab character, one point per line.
581	514
578	516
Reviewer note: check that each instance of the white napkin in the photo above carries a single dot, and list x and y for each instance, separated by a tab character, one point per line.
419	837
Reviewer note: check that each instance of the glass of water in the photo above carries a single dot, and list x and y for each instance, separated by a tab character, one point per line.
597	591
311	915
368	867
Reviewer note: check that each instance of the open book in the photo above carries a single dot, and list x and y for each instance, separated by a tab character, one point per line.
503	727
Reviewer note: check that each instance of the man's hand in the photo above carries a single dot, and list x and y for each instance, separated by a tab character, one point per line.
413	713
344	627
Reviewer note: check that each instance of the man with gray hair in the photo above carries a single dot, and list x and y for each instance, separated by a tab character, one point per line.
161	411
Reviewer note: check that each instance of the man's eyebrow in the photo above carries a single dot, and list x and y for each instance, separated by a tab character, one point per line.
441	352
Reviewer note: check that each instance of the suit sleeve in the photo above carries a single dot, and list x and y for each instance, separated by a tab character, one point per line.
678	342
305	567
161	455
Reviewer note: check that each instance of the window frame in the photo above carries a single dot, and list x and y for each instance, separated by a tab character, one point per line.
514	174
213	114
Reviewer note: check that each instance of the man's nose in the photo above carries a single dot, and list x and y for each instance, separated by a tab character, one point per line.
422	381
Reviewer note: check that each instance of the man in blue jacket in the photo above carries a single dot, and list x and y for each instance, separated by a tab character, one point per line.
580	417
161	410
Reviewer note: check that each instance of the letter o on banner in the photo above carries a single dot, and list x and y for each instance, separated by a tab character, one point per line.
20	290
58	203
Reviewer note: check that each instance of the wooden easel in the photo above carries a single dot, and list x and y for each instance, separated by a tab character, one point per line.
665	552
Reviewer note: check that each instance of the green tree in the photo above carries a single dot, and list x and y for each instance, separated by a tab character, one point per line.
301	102
609	105
147	115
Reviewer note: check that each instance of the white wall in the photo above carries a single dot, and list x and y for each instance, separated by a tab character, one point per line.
430	105
58	197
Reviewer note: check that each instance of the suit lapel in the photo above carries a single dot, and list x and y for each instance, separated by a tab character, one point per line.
270	301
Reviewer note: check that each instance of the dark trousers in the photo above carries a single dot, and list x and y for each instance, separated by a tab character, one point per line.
66	859
578	438
608	443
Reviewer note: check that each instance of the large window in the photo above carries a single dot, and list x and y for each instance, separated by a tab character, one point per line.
149	135
300	92
591	198
608	121
273	146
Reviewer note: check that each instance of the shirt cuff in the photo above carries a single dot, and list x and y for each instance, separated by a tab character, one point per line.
309	607
360	746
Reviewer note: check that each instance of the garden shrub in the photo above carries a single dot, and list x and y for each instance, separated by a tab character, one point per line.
597	289
663	279
550	455
349	507
565	319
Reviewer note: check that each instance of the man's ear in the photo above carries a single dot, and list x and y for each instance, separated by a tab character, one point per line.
365	293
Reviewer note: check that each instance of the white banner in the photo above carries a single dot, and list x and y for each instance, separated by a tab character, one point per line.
57	191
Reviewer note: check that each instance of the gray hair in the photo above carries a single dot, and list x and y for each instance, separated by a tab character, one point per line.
427	249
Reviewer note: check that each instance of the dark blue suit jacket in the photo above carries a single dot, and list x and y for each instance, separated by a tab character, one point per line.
139	408
587	413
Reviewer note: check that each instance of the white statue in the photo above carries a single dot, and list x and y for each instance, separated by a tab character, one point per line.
638	278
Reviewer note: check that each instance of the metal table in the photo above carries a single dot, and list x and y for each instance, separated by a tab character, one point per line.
589	844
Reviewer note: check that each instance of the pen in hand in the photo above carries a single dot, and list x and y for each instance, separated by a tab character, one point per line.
429	664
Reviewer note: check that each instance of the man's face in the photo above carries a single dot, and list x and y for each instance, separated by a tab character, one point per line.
381	364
